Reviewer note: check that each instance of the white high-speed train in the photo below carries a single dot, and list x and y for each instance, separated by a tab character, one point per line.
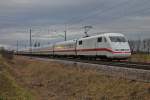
107	45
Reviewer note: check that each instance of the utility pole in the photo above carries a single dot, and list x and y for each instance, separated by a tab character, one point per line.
25	46
17	46
30	40
65	32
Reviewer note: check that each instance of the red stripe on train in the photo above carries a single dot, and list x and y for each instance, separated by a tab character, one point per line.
96	49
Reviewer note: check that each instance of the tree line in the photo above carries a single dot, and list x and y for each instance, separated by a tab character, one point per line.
140	46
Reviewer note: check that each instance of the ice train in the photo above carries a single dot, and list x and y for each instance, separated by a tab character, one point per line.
106	45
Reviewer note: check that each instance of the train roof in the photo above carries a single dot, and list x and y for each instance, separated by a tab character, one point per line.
103	34
66	42
95	36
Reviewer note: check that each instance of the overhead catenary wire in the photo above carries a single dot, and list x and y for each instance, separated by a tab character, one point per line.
104	12
95	12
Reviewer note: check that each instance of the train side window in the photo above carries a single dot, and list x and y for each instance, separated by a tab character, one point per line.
80	42
99	39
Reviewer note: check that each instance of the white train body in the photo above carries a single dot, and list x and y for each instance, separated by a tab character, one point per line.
48	50
65	48
108	45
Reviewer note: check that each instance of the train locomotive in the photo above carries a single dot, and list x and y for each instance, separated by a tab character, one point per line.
104	46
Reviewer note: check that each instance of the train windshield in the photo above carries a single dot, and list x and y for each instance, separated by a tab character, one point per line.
117	39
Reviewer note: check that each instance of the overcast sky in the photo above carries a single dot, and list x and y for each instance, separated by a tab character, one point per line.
48	18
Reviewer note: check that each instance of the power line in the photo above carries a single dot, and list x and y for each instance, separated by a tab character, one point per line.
100	12
103	12
126	14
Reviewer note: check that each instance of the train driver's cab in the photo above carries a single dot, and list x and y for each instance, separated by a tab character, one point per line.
119	43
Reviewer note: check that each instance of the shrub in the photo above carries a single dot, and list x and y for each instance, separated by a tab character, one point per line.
6	54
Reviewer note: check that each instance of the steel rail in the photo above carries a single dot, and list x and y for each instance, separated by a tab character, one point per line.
126	64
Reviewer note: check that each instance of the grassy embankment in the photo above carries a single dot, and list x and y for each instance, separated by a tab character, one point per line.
140	58
49	80
9	88
54	81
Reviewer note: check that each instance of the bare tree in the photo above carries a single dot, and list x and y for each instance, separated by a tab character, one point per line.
144	45
138	46
148	46
132	45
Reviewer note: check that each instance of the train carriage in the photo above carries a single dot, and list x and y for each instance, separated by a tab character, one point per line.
86	47
47	50
66	48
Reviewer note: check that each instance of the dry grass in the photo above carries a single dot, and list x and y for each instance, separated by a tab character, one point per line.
9	88
54	81
140	58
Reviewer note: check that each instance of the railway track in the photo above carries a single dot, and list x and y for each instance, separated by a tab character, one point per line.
125	64
144	66
127	70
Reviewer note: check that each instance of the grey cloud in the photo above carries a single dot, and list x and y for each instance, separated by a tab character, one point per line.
17	16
